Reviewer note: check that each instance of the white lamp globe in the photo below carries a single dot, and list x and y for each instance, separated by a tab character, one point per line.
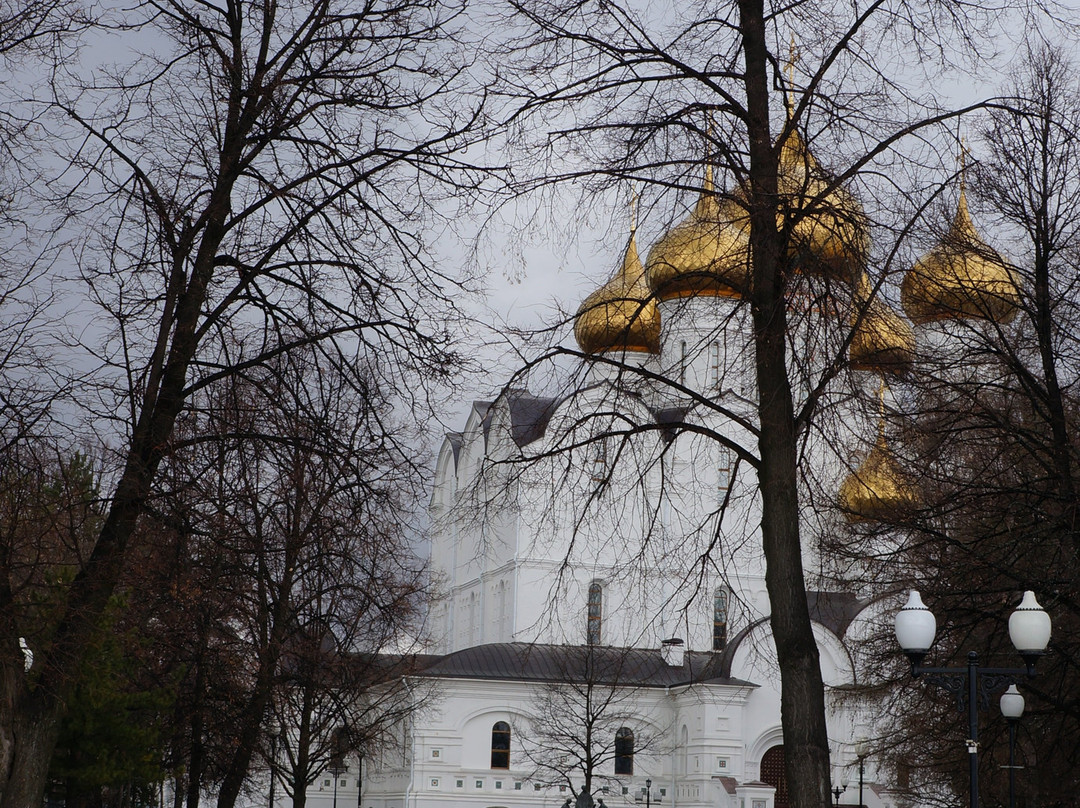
915	625
1012	703
1029	626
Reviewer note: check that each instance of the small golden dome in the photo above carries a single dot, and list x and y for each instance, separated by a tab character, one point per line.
883	341
621	315
831	235
960	278
706	254
878	489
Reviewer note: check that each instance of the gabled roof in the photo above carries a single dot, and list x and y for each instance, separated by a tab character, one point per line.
630	667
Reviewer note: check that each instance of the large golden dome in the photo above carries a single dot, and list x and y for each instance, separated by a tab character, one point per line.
830	234
621	315
883	341
960	278
706	254
878	489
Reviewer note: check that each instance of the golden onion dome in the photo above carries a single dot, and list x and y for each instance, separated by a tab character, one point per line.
621	315
960	278
707	254
878	489
830	236
883	341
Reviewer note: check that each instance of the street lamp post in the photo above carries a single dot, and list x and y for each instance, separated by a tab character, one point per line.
1029	630
861	751
837	791
648	792
1012	707
337	768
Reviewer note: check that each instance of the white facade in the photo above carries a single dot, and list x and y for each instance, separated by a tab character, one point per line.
538	501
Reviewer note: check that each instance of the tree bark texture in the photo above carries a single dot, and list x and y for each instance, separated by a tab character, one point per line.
802	701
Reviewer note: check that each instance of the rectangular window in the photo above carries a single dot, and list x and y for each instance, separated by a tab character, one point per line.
599	463
479	783
434	782
724	468
714	366
498	785
459	783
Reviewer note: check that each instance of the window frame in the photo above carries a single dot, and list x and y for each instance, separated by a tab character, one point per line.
624	758
594	613
500	745
721	617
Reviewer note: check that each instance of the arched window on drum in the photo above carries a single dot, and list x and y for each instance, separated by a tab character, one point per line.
595	613
721	605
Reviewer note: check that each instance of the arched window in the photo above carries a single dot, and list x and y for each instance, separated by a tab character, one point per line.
624	751
720	618
715	368
595	614
500	745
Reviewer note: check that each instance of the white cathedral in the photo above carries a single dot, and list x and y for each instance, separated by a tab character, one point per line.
600	548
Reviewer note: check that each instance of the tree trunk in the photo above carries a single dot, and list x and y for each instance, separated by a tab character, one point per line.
802	700
34	732
302	771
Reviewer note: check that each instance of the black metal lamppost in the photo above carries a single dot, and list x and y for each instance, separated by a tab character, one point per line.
648	792
1029	630
838	790
1012	707
337	768
861	751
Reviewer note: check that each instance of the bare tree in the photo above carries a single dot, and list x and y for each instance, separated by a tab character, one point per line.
622	93
989	435
298	509
586	728
259	180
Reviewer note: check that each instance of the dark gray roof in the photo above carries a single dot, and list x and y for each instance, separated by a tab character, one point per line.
529	415
632	667
835	610
486	413
670	418
456	441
